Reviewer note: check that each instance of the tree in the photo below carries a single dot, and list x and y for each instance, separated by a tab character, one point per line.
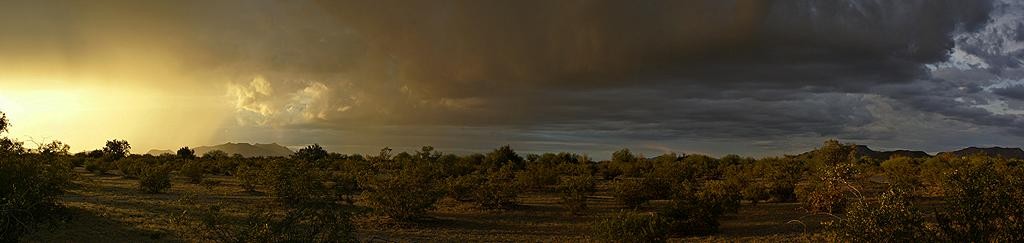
427	153
8	145
117	148
575	190
54	148
831	153
186	153
623	156
31	188
311	153
503	155
632	227
3	122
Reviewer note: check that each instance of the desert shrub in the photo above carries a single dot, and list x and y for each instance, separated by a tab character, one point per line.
695	209
501	157
538	176
631	192
575	190
295	182
984	203
314	204
155	179
780	176
499	191
318	224
130	167
607	170
755	191
720	196
193	170
405	194
30	191
344	185
631	227
222	166
891	219
703	166
249	176
97	165
902	172
932	172
312	153
827	191
462	188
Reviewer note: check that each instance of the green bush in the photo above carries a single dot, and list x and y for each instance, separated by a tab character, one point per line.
406	194
295	182
462	188
891	219
29	197
155	179
779	176
631	192
984	203
631	227
99	166
130	168
249	176
827	191
344	185
499	191
575	190
755	192
193	170
539	176
903	173
319	224
695	209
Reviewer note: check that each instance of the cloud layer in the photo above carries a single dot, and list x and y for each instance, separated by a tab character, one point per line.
739	76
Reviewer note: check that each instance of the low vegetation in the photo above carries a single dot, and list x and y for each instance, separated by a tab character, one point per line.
832	193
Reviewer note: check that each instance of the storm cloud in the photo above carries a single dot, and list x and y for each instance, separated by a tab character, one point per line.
741	76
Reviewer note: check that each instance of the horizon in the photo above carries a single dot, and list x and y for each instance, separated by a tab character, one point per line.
751	78
595	157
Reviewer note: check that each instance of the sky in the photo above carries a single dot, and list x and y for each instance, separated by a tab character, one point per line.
749	77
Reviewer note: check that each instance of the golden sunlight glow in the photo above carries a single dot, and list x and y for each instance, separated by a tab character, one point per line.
84	116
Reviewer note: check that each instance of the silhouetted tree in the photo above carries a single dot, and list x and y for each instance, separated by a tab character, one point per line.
8	145
186	153
427	153
117	148
54	148
831	153
623	156
3	122
502	156
311	153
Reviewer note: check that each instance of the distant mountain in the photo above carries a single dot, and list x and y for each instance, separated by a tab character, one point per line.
245	149
1009	153
158	152
862	150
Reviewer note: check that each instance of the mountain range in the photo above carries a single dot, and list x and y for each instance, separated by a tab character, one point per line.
276	150
1009	153
244	149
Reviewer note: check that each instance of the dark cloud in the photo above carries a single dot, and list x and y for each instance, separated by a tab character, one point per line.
576	73
1013	92
594	44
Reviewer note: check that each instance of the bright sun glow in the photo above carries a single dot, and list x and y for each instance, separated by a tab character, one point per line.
84	116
